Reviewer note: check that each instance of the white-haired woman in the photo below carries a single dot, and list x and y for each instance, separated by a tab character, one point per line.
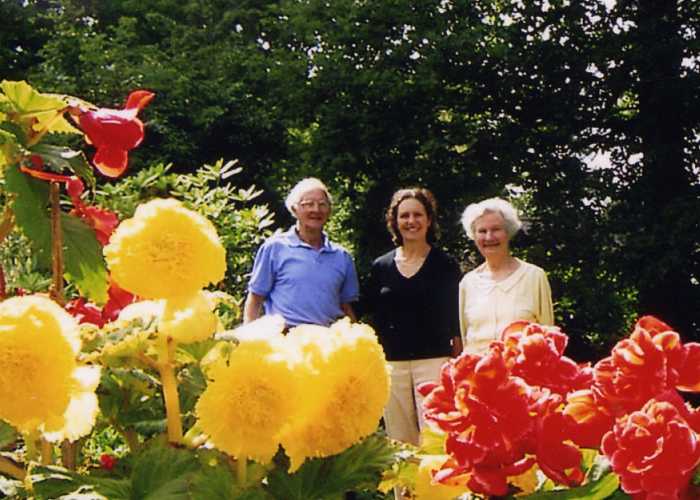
504	288
300	274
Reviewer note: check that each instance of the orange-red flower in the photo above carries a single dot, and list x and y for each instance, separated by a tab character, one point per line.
649	362
536	353
495	423
654	451
114	132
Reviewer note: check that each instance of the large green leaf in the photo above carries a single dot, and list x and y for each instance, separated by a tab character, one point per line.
31	214
161	472
62	158
358	467
45	110
84	264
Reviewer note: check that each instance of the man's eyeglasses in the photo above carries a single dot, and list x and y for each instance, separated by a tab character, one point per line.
308	205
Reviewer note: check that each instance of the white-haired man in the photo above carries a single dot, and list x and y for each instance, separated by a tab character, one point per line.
300	274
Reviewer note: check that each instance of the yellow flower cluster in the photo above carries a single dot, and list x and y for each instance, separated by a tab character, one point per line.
165	250
316	392
42	387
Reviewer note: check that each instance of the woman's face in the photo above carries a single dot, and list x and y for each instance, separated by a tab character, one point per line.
490	235
412	220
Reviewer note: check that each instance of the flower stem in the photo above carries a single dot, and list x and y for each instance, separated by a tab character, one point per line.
46	452
56	245
11	469
170	396
69	454
241	470
30	440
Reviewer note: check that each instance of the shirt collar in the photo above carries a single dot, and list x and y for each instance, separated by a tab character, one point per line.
295	241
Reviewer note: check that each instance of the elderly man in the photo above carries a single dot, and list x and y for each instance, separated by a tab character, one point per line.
300	274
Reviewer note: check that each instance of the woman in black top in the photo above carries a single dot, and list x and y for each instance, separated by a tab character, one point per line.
412	301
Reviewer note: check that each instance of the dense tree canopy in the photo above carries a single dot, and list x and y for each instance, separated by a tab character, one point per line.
471	99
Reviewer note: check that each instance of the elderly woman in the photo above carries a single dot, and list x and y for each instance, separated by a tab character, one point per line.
300	274
504	288
411	298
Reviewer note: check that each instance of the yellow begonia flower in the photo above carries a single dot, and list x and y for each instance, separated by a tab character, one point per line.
345	380
41	385
165	250
248	400
426	489
189	319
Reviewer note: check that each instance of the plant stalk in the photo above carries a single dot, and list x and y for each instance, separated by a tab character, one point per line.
57	292
166	369
46	452
241	470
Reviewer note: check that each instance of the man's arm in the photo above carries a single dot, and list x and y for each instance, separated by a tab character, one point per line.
349	312
252	309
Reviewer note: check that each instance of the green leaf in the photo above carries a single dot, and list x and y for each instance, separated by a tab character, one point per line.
597	490
216	481
358	467
62	158
37	111
31	214
8	435
163	472
51	482
27	101
85	265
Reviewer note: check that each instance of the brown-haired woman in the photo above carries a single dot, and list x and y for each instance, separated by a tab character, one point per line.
412	302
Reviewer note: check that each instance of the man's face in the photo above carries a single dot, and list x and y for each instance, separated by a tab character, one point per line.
313	209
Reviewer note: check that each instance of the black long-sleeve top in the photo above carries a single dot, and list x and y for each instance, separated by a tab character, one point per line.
416	317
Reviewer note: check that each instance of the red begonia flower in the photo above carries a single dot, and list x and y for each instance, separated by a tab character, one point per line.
654	451
118	300
589	420
102	221
85	312
115	132
535	353
558	459
107	461
644	365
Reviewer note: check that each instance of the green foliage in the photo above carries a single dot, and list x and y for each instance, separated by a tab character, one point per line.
358	467
84	264
605	487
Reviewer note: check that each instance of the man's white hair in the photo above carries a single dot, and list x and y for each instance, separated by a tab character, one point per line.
302	187
491	205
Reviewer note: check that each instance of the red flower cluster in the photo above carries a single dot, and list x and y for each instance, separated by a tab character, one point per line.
524	402
502	410
633	406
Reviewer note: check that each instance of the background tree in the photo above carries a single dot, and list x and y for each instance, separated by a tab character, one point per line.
472	99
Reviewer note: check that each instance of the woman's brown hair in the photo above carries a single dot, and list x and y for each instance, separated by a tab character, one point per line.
426	198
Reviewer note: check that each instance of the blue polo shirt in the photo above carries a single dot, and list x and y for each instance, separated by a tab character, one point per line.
303	284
